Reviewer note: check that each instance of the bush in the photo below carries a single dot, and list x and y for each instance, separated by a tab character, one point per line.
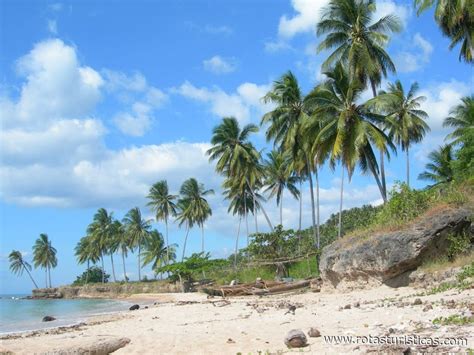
91	275
458	244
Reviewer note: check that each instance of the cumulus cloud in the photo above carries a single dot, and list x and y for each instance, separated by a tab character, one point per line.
219	65
414	59
240	104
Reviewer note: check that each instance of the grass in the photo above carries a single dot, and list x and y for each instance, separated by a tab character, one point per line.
442	263
464	280
454	319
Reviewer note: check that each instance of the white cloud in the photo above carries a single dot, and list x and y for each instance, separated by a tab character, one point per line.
418	56
308	13
219	65
135	123
118	81
53	27
246	99
277	46
389	7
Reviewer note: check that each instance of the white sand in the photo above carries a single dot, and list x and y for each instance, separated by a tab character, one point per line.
253	324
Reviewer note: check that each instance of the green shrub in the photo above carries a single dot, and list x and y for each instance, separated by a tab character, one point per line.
459	243
91	275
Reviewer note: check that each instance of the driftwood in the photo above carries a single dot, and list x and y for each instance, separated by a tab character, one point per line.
257	288
98	347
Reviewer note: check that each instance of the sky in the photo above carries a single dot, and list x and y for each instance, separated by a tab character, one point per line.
100	99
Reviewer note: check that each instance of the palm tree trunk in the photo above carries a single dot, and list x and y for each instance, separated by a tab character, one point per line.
246	225
339	234
408	167
318	234
113	267
377	180
139	267
185	241
88	271
167	243
103	269
301	214
29	274
263	209
313	217
237	244
382	156
281	210
46	276
255	213
49	275
124	271
202	238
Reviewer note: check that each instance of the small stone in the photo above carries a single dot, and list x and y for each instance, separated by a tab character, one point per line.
48	319
230	341
314	333
146	307
357	304
417	302
134	307
427	308
296	339
347	306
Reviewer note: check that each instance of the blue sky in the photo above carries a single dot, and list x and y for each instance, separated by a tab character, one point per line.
98	100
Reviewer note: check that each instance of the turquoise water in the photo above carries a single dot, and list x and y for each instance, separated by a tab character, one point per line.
18	314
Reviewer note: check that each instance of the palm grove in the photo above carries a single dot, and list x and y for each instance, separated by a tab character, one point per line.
328	125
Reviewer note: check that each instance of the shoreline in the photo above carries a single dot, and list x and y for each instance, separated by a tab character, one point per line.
192	323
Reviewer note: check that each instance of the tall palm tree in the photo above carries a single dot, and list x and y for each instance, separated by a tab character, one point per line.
405	121
123	243
461	119
162	203
193	196
349	130
184	216
284	127
235	154
359	42
439	169
86	253
278	177
18	265
456	20
44	255
100	230
137	230
156	251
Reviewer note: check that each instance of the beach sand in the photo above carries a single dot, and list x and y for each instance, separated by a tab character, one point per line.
191	324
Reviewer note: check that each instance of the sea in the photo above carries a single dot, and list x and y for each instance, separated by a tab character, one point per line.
18	314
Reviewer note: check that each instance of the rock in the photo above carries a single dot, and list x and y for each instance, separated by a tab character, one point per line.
96	347
48	319
354	263
357	304
417	302
146	307
314	333
347	306
234	283
134	307
296	339
230	341
427	308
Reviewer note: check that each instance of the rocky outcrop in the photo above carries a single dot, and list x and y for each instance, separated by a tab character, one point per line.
390	257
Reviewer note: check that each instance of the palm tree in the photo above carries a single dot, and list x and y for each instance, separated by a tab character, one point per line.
278	177
44	255
405	121
184	216
349	130
285	129
86	253
18	265
156	251
456	20
162	203
462	120
439	169
137	230
359	43
123	243
100	230
235	155
193	196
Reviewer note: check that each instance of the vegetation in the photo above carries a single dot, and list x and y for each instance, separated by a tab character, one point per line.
44	256
93	274
18	265
455	319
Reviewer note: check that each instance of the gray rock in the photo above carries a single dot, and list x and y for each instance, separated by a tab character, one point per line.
390	257
48	319
427	308
134	307
417	302
296	339
314	333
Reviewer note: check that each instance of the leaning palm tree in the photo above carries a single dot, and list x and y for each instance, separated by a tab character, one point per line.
462	120
162	203
193	196
184	216
359	42
439	169
156	251
44	255
235	155
456	20
100	230
123	243
86	253
278	178
349	130
137	230
18	265
405	121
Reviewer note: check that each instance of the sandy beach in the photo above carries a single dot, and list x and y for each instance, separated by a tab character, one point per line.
194	324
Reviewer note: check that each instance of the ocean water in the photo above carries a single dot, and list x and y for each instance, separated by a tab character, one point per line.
17	314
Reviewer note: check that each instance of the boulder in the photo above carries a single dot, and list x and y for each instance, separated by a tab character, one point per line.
314	333
296	339
390	257
134	307
48	319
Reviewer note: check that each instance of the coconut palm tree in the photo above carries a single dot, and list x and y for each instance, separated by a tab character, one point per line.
123	243
193	196
184	216
18	265
44	255
278	177
456	20
137	230
405	121
86	253
349	130
439	169
235	155
100	230
163	205
155	250
358	41
462	120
